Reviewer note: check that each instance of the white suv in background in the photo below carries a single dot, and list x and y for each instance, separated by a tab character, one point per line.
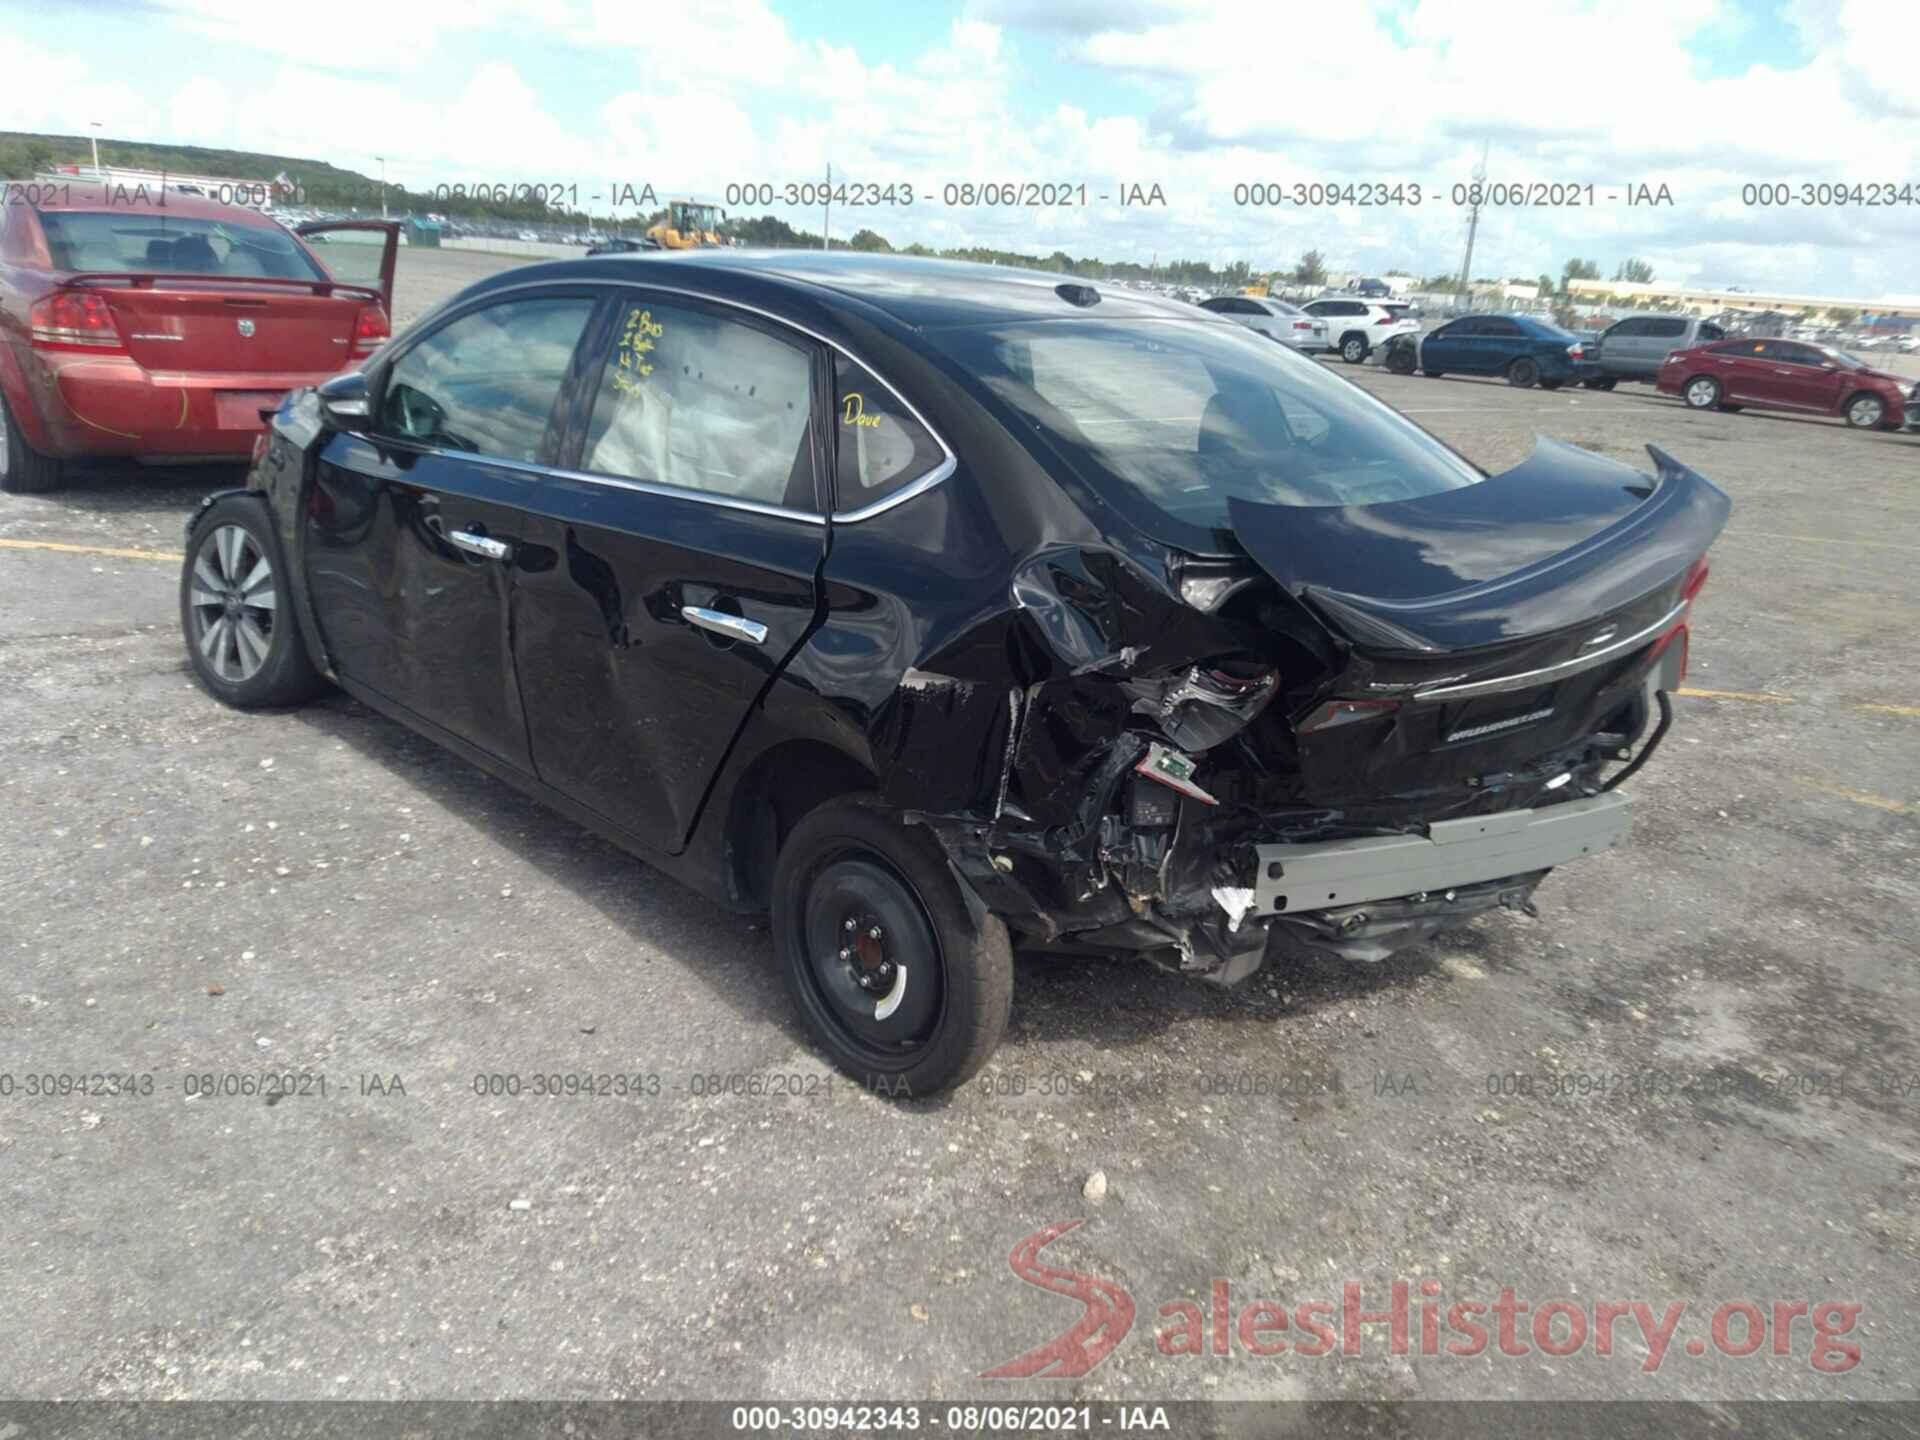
1357	328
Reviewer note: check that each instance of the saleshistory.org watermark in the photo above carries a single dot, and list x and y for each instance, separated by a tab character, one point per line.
1415	1317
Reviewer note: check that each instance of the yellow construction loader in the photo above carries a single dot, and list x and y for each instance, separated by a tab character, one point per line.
689	225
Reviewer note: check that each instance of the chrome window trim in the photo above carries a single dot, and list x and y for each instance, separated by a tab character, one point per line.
906	492
1528	678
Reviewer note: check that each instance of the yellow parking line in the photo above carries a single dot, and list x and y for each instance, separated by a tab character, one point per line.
118	554
1763	697
1912	711
1858	797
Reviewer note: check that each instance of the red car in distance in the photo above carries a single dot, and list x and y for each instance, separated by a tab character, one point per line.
154	325
1787	375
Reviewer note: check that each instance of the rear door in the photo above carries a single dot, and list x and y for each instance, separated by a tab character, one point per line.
414	533
671	568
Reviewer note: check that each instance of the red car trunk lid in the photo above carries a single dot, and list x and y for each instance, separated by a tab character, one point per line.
235	329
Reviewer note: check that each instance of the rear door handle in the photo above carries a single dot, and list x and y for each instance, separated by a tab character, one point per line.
734	627
480	544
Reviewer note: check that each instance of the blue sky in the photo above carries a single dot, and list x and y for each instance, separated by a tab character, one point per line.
1191	95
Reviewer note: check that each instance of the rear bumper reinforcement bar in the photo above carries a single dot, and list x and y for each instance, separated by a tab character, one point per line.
1454	852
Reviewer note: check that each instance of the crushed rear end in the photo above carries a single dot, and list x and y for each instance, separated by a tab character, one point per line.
1373	722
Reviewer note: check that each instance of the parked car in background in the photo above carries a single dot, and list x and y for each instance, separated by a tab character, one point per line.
617	245
1280	319
1371	288
1359	327
1524	348
158	328
1788	375
867	590
1635	348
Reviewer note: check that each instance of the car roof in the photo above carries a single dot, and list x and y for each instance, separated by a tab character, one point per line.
93	195
918	291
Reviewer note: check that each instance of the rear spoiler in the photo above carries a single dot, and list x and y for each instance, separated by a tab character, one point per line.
147	280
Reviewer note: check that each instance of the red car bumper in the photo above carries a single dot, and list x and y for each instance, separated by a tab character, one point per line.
113	406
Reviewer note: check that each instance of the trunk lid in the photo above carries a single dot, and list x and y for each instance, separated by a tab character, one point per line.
1563	538
178	326
1500	623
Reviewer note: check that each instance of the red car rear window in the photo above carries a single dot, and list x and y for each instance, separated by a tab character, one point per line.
153	243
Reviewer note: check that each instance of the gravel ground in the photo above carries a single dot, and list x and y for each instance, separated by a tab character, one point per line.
1691	1079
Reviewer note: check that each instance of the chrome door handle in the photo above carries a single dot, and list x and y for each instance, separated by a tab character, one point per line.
720	622
480	544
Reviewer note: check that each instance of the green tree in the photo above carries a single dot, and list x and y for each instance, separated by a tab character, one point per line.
1635	270
1842	315
869	240
1311	269
1577	269
1547	287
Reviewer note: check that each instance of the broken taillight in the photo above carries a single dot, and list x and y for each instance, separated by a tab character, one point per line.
1335	713
1689	590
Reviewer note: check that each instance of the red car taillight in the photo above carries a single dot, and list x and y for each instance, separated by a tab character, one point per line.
78	321
1575	351
1303	325
369	330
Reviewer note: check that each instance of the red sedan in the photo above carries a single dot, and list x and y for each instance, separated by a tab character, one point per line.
1786	375
156	326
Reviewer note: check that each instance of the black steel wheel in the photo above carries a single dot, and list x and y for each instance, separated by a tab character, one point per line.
904	987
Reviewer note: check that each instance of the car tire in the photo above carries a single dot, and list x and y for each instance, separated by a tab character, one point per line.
1605	382
1551	384
1865	410
939	974
1522	373
1434	374
1701	392
23	469
1399	360
1731	409
242	638
1354	349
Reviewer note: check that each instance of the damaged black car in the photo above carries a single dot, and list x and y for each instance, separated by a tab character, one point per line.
941	610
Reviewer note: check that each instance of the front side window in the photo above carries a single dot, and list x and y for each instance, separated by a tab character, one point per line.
153	242
1711	332
878	445
1168	422
486	382
706	403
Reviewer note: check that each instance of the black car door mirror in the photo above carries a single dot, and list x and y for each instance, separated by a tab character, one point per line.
345	401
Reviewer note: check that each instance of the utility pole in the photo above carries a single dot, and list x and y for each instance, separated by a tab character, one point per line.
826	212
96	147
383	185
1473	225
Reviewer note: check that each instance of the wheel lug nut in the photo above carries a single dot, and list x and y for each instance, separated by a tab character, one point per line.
874	933
846	954
852	924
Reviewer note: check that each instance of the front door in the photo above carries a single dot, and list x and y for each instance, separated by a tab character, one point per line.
413	531
677	557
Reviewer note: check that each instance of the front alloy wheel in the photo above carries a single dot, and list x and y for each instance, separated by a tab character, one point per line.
233	603
1353	349
1865	412
236	615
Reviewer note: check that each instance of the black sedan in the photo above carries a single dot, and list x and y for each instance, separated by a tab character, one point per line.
939	609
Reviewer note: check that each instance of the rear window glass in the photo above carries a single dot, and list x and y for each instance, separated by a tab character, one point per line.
1168	421
151	242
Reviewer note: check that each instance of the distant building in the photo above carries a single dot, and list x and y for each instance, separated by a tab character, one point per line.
1895	312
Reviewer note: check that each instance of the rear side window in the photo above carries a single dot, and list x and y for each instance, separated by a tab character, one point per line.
1627	329
1504	328
702	402
879	447
1667	329
486	383
154	242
